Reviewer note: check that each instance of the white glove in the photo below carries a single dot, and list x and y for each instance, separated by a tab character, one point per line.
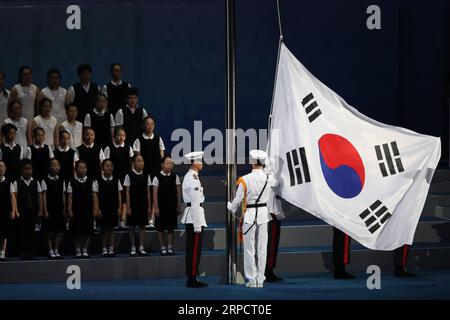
198	229
229	206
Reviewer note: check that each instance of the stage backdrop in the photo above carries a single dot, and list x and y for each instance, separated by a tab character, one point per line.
173	51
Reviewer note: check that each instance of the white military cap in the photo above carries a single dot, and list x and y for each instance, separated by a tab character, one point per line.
196	155
258	155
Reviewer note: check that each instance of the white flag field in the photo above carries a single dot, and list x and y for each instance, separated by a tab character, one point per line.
366	178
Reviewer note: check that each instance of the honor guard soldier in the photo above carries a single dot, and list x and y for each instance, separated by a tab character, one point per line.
254	190
193	218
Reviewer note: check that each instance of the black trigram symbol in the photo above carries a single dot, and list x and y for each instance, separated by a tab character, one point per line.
375	216
298	166
390	157
311	107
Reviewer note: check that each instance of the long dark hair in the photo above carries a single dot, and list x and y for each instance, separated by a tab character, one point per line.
4	92
22	68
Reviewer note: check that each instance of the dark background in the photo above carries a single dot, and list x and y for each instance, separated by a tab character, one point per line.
174	52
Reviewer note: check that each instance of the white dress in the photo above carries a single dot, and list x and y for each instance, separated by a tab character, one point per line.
21	134
27	96
58	99
76	133
49	126
4	105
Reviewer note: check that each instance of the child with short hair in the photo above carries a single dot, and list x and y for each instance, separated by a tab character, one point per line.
66	156
166	204
10	152
116	89
8	209
15	118
74	127
27	191
53	198
101	120
46	121
137	185
120	154
107	205
39	153
80	209
91	153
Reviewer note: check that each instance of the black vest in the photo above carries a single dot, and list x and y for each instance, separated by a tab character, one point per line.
120	157
5	196
116	96
92	158
167	192
54	195
151	153
132	123
27	199
138	192
102	128
12	161
40	159
108	195
82	197
66	161
84	101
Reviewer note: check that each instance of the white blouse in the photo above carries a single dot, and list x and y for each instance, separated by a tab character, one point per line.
76	133
49	126
27	96
58	100
21	134
4	105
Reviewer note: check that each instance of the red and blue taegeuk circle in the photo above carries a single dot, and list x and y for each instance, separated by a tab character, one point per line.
342	166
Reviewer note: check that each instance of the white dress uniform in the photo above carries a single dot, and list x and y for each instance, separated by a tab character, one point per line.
255	219
58	98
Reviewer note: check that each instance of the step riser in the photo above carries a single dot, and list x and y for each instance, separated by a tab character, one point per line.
215	239
211	265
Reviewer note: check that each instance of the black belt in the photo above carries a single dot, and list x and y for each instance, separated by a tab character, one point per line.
259	205
188	204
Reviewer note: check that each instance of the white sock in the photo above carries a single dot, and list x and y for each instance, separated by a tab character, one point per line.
163	248
141	248
56	251
169	246
104	250
111	249
133	248
84	250
50	252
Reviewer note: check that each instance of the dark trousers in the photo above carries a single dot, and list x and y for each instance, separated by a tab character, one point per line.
341	250
273	242
193	250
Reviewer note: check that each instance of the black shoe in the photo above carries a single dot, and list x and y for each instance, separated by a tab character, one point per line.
105	254
111	254
271	277
27	256
343	275
403	273
170	252
142	253
192	282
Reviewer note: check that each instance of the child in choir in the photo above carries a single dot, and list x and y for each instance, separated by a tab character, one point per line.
130	117
91	153
166	204
107	206
46	121
29	207
4	98
74	127
80	209
15	118
10	152
8	209
151	147
26	92
116	89
120	154
53	198
66	156
56	94
39	153
137	186
84	92
102	121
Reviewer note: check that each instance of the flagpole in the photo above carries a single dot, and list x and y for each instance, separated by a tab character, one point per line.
230	141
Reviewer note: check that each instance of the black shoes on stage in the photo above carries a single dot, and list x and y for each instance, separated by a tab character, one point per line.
272	277
341	274
192	282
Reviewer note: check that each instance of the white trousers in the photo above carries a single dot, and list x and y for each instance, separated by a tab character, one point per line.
255	251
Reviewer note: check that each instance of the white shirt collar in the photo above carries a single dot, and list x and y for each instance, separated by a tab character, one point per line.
164	174
86	86
82	180
119	145
11	146
133	110
118	83
26	181
89	145
63	150
38	146
146	137
138	173
106	178
53	178
2	179
99	113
